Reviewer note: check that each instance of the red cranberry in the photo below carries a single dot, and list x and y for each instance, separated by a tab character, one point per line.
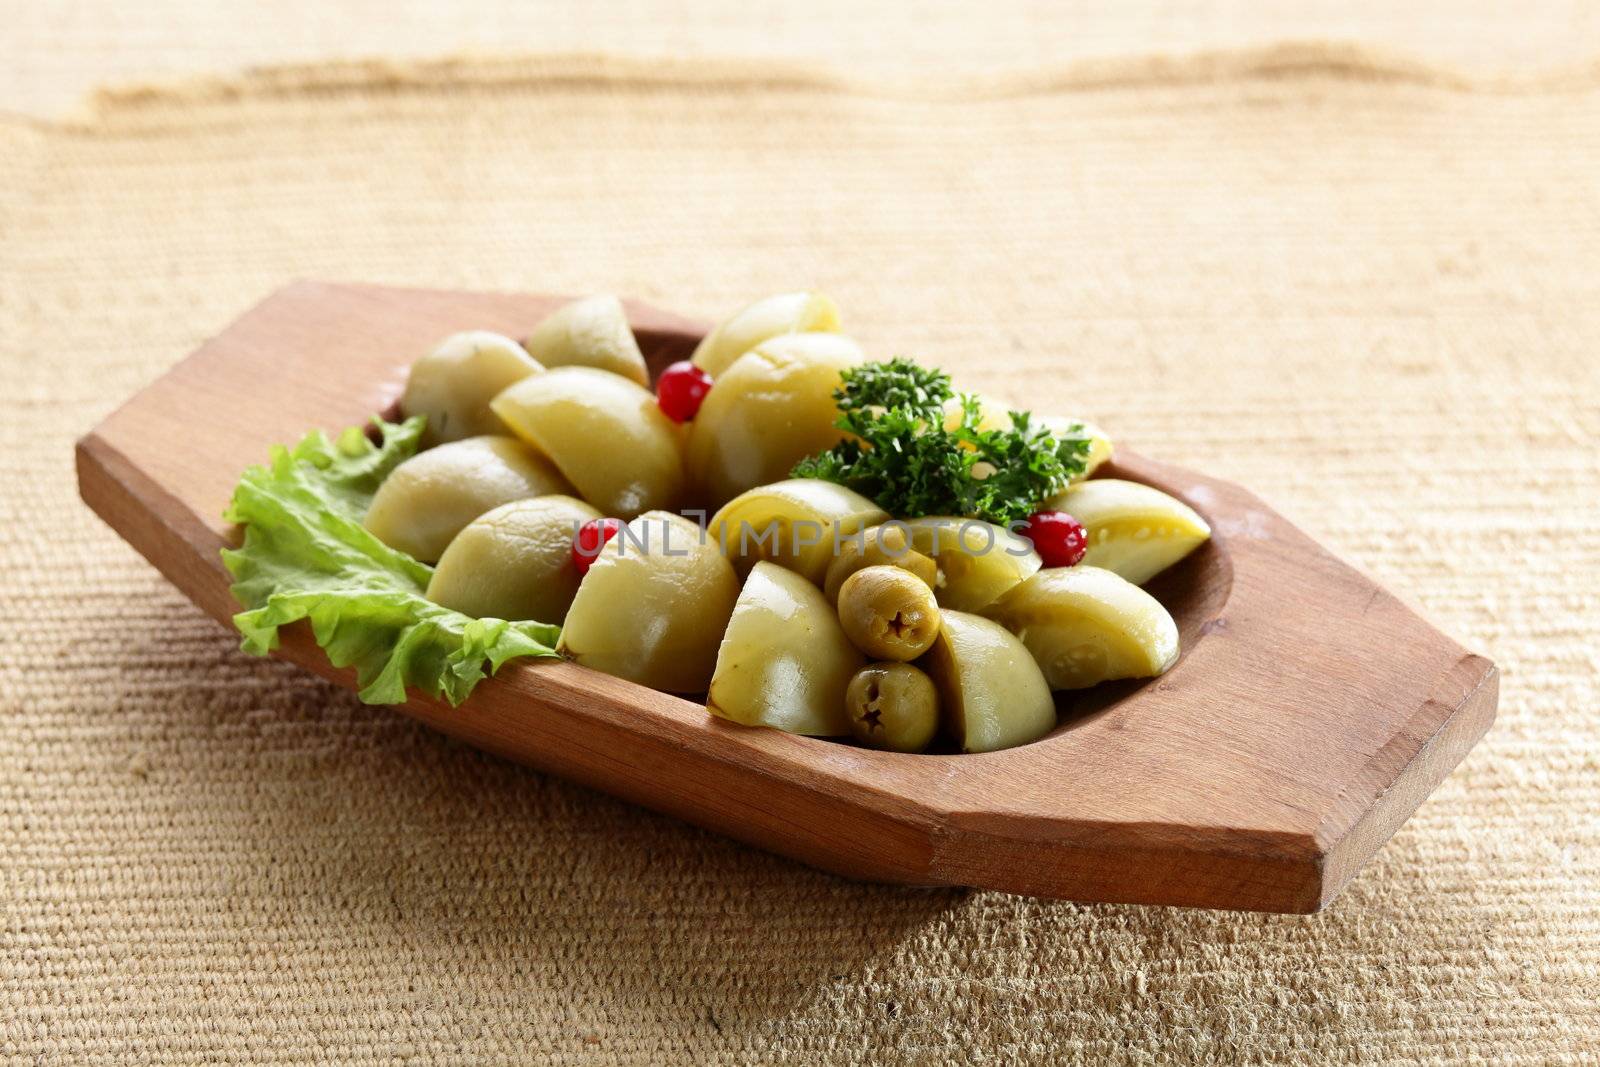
1059	538
681	389
592	537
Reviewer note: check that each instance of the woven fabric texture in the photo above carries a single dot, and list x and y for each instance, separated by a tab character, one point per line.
1368	289
53	53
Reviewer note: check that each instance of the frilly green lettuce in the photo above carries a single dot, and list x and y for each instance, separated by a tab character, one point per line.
305	555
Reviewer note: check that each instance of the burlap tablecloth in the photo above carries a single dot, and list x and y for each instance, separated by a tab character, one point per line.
1367	287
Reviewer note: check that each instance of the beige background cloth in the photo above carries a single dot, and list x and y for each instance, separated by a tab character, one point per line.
52	53
1362	281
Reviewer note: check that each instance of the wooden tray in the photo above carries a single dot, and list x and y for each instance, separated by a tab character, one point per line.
1310	714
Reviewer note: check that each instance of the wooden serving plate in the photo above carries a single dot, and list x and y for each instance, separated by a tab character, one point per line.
1310	714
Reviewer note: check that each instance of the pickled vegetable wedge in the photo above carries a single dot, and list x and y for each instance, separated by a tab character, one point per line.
514	562
977	560
431	497
803	312
452	385
592	332
991	694
1100	447
793	523
785	661
653	605
1086	625
604	432
1133	529
769	409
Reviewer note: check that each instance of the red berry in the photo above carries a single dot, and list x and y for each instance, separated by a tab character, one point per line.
592	537
1059	538
680	389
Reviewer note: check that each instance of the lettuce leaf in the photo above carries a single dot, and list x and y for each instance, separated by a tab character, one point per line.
305	555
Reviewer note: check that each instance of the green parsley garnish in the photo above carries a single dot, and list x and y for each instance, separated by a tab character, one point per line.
903	455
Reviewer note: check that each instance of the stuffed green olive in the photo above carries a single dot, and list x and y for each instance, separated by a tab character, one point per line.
893	706
888	613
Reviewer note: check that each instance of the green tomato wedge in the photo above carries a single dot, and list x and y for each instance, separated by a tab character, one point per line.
769	409
592	332
604	432
514	562
774	316
799	523
784	661
1133	529
991	695
431	497
653	605
1085	625
977	560
452	385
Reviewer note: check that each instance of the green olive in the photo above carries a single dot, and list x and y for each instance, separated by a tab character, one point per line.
893	706
888	545
889	613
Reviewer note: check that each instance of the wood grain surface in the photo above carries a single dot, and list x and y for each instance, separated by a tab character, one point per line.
1309	716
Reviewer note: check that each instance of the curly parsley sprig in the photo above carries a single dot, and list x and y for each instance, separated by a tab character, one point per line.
913	457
